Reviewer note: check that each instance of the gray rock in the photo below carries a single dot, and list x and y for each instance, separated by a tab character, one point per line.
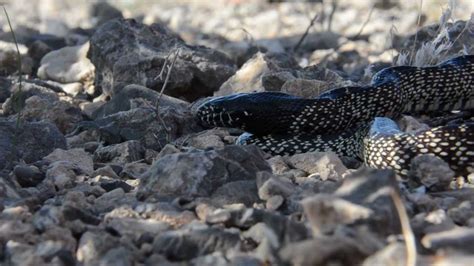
278	164
166	212
110	200
5	87
17	100
118	58
31	142
28	175
394	253
102	12
213	138
243	192
326	165
327	212
455	238
126	152
285	229
93	246
121	101
330	250
431	171
371	188
263	72
184	245
200	173
276	186
119	256
134	170
67	65
81	159
62	113
153	128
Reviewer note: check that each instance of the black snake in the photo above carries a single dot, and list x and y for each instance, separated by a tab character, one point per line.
343	119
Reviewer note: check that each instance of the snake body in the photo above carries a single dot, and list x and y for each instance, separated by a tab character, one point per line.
342	120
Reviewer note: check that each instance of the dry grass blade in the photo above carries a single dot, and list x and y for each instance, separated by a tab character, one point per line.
406	228
311	23
19	93
416	34
168	68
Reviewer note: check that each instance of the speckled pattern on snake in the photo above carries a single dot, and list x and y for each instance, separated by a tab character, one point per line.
356	121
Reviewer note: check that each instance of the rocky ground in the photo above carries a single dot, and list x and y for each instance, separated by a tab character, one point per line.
104	163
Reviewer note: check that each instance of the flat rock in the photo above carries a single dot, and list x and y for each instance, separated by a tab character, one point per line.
122	101
325	164
30	142
122	48
154	128
81	159
125	152
183	245
67	65
202	172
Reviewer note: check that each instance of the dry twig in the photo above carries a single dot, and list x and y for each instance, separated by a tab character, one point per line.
311	23
410	244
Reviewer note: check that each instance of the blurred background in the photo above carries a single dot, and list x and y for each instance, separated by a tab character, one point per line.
358	32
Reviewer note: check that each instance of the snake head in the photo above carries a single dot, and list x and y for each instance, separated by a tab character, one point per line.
226	111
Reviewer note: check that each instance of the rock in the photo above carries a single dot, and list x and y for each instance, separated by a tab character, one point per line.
276	186
63	114
274	202
327	212
102	12
462	213
5	87
331	250
126	152
451	239
78	157
110	184
212	138
153	128
93	246
166	212
28	175
305	88
9	59
30	142
17	100
119	57
431	171
134	170
325	164
67	65
364	184
110	200
249	78
134	227
117	256
182	245
200	173
122	100
22	254
232	193
393	253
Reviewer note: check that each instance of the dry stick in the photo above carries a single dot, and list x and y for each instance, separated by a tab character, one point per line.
306	32
169	69
416	34
355	36
331	15
410	244
18	119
